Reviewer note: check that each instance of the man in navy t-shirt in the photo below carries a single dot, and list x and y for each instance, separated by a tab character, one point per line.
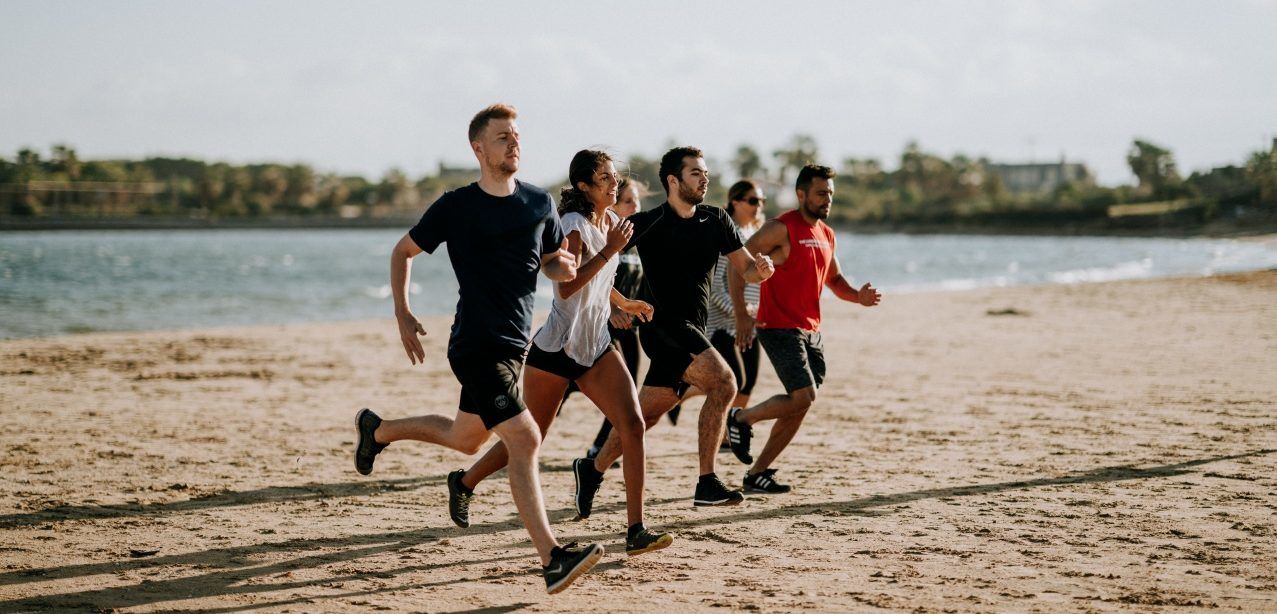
499	233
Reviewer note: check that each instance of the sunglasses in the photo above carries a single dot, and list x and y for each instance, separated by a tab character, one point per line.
756	201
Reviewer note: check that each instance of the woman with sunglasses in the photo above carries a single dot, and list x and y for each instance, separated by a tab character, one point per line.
574	345
745	202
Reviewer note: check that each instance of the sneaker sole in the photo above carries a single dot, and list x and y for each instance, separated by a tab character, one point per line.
723	502
663	542
359	441
585	565
758	491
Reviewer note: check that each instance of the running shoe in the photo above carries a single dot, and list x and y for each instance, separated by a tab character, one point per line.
588	480
738	436
567	563
711	491
765	481
459	499
646	541
367	448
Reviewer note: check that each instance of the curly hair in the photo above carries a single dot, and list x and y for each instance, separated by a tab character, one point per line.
581	170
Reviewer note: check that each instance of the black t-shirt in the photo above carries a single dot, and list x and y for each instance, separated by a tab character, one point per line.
495	244
678	256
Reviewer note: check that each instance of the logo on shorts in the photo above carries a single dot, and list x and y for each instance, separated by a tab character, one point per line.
502	401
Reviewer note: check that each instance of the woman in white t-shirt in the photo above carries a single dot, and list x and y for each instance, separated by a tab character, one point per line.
574	344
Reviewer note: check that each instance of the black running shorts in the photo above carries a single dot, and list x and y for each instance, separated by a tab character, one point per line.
560	364
671	349
490	383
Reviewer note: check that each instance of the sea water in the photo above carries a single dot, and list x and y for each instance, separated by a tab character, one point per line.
60	282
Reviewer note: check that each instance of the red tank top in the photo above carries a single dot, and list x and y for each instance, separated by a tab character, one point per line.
791	297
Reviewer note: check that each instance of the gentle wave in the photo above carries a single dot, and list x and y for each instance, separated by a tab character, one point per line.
54	283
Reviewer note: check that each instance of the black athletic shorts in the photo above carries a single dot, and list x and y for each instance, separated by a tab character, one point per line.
560	364
490	383
797	355
670	350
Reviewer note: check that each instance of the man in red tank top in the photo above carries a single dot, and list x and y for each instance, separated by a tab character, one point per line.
788	325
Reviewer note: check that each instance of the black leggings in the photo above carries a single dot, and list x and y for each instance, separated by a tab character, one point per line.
627	341
744	365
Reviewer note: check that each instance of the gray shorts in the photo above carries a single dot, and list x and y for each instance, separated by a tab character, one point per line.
796	354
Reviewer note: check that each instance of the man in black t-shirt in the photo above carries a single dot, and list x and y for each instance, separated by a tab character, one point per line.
679	244
499	232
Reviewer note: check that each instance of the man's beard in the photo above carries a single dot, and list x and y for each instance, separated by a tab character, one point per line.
816	211
689	194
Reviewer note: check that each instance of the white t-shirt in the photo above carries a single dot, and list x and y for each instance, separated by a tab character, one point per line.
578	324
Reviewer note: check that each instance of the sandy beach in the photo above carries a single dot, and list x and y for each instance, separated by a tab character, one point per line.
1088	447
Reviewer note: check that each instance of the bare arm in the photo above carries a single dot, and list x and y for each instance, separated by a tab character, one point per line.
400	274
753	269
867	295
617	237
641	309
744	319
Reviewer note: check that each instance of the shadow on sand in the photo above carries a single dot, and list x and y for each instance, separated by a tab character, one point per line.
234	574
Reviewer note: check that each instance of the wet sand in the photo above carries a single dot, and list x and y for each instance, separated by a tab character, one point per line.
1091	447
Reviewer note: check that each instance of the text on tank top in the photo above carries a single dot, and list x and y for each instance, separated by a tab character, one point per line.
791	297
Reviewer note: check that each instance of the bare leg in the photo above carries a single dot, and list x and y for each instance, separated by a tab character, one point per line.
653	402
779	406
609	386
543	393
465	433
710	373
523	441
788	410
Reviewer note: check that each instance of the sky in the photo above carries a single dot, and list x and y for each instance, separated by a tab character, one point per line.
361	87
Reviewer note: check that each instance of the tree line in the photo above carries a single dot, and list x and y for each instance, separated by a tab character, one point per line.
922	187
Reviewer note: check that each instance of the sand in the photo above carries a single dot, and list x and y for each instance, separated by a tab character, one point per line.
1090	447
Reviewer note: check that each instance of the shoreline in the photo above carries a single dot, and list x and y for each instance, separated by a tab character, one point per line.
445	318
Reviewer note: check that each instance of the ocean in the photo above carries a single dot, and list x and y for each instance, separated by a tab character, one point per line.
63	282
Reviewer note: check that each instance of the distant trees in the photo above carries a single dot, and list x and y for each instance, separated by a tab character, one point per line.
924	187
65	185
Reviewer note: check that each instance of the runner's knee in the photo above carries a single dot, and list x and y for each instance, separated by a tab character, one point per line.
803	398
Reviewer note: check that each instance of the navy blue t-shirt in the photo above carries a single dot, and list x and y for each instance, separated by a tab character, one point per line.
495	244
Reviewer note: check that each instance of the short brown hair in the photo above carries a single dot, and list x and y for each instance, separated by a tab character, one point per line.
481	119
672	163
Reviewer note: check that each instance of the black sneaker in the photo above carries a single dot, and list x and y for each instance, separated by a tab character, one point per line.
711	491
738	436
588	481
765	481
367	448
646	541
567	563
459	499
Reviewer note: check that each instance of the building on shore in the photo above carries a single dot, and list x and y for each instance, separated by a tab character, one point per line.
1041	178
